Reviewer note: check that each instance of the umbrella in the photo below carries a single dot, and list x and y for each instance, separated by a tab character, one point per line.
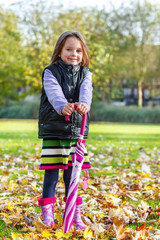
77	162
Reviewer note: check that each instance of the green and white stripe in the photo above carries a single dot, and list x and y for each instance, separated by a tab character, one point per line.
57	154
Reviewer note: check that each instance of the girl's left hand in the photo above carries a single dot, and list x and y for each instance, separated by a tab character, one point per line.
81	108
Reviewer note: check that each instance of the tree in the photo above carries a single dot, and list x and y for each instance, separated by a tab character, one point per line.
104	44
43	35
11	57
121	45
140	21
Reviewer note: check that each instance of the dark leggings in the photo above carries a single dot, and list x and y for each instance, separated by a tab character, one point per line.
51	179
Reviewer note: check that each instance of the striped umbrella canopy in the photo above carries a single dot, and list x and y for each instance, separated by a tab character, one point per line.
77	162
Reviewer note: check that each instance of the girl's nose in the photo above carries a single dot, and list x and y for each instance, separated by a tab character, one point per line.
74	52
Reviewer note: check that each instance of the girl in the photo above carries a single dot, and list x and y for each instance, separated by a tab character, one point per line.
66	81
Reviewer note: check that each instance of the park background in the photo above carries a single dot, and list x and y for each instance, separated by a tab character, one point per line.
124	48
122	200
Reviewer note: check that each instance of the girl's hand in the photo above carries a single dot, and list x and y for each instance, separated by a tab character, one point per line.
82	108
68	109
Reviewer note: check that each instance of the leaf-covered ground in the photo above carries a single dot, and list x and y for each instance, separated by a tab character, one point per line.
122	198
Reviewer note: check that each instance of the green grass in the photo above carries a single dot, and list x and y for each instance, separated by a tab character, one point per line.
114	144
4	232
147	134
22	135
17	136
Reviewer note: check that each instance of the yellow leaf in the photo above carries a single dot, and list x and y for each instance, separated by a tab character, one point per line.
90	181
148	188
46	233
87	233
32	236
16	236
60	234
89	215
9	206
100	214
4	214
6	220
60	184
12	185
24	181
143	174
67	235
59	217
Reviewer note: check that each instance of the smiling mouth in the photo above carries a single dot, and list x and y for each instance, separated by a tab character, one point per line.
72	59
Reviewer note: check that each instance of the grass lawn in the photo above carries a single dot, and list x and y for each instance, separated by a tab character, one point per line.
123	187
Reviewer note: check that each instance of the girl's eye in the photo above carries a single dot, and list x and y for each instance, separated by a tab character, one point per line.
79	50
68	49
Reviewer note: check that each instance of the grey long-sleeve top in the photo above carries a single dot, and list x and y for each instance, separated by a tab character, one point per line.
55	94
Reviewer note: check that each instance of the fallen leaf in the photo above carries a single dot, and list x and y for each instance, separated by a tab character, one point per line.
97	229
46	233
16	236
87	234
39	225
59	234
121	233
59	217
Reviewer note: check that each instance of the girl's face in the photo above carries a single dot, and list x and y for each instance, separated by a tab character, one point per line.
72	52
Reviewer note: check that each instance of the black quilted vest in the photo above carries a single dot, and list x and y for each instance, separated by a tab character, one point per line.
51	124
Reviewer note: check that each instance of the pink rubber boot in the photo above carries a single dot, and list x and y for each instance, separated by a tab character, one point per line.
77	215
47	206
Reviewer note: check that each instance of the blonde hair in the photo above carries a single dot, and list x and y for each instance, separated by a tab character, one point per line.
60	43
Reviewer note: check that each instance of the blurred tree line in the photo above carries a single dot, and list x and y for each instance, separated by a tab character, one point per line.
123	44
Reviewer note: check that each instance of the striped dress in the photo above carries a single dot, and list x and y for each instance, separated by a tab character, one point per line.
57	154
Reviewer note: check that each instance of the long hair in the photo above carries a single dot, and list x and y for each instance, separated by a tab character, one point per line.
60	43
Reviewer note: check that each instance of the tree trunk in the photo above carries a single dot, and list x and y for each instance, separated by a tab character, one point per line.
140	94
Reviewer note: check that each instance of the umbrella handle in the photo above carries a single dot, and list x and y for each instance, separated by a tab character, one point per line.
67	118
83	124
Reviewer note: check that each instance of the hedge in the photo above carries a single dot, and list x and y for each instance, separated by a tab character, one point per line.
105	112
99	112
20	110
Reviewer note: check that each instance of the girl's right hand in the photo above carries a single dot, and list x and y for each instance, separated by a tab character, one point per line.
81	107
68	109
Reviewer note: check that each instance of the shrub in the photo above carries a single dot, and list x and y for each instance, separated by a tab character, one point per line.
99	112
105	112
20	110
